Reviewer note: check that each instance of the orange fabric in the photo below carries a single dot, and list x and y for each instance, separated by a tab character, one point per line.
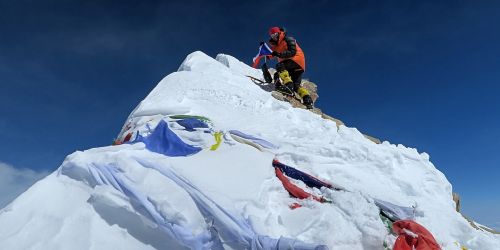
406	241
295	191
299	57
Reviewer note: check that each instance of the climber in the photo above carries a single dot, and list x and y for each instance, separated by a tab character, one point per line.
291	64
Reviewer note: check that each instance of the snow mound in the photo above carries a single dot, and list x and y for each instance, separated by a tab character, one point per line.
227	196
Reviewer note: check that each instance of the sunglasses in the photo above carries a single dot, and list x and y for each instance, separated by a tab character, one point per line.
275	36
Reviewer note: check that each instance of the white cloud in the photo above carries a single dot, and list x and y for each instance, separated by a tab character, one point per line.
14	181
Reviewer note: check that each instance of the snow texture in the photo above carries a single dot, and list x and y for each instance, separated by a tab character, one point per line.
127	197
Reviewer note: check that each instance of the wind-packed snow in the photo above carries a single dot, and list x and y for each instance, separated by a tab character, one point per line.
127	197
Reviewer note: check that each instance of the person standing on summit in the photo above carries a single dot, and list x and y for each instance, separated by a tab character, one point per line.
291	64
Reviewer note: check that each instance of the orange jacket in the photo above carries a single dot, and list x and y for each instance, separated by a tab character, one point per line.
282	48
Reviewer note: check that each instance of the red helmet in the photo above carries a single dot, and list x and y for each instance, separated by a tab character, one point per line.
274	30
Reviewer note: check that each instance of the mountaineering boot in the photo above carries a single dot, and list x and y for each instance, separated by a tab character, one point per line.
308	102
265	72
286	85
289	88
284	89
285	77
306	97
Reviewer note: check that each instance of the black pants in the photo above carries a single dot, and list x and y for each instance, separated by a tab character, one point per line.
293	69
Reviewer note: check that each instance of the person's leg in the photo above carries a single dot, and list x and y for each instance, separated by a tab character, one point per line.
265	72
296	74
286	85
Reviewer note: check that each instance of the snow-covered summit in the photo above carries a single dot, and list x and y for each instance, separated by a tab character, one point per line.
224	192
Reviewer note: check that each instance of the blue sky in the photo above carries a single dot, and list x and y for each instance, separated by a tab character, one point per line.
420	73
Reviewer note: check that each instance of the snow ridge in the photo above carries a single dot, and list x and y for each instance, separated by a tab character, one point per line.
128	197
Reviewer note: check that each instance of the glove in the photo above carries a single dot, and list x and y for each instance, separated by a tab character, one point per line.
261	43
276	54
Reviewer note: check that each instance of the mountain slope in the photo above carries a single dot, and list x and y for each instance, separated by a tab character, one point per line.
128	197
